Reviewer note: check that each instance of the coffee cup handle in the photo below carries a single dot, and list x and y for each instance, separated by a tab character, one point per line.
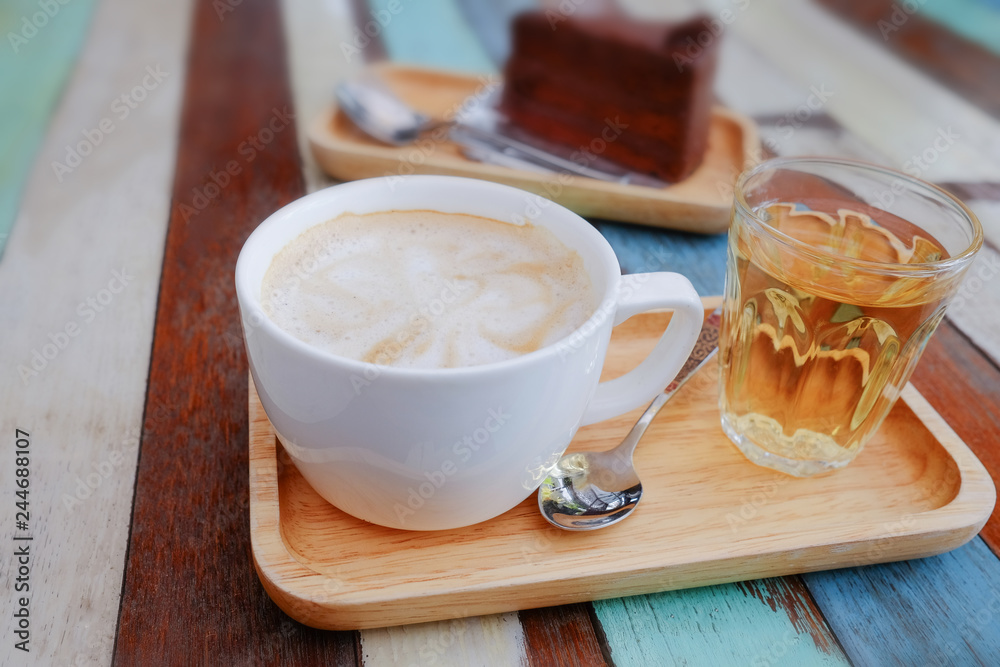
639	293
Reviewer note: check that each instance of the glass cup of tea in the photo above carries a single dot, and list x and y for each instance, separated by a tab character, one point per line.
837	274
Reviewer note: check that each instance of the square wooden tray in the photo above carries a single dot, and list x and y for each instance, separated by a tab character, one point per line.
700	203
708	516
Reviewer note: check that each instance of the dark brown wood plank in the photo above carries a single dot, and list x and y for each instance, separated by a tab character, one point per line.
561	637
963	385
967	68
190	591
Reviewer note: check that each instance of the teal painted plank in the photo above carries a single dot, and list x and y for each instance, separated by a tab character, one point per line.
976	20
756	623
943	610
431	33
491	23
37	55
640	249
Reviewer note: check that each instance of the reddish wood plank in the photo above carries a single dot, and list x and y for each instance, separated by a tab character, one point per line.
963	385
971	191
969	69
190	592
561	637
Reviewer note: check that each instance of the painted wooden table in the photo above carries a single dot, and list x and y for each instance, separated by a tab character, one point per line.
144	139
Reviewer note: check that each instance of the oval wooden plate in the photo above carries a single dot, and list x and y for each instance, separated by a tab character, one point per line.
701	203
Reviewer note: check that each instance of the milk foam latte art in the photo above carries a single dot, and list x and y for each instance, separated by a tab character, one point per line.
424	289
505	327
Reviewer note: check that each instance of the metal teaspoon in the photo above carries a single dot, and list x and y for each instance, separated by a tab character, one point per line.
380	114
591	490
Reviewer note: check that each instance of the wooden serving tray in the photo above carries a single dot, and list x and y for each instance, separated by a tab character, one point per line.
708	516
701	203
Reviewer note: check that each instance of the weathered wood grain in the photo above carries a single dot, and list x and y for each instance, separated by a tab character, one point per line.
481	640
809	46
747	81
190	591
71	234
884	616
34	66
702	259
976	20
964	387
369	41
323	46
764	622
960	64
561	637
76	336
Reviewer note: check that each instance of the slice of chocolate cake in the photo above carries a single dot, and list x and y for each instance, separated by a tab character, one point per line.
636	93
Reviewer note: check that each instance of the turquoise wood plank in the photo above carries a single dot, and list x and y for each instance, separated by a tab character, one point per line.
943	610
490	21
431	33
40	46
976	20
701	258
752	623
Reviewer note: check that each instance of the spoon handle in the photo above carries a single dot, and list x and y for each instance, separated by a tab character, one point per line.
704	349
632	439
464	133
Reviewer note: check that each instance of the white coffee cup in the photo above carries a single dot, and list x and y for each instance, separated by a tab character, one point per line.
444	448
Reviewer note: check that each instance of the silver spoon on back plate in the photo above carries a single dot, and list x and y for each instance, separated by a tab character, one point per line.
591	490
382	115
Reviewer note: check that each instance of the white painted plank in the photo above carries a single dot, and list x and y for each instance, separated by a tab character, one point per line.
78	284
864	81
748	83
321	50
746	80
882	99
976	308
484	641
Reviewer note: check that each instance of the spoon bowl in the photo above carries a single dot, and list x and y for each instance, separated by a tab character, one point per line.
379	113
588	481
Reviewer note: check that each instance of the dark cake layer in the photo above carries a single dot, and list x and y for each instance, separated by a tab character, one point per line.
570	81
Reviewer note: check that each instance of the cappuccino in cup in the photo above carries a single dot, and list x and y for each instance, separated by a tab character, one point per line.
426	347
424	289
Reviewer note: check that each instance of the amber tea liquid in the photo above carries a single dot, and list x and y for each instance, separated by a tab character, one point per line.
817	344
